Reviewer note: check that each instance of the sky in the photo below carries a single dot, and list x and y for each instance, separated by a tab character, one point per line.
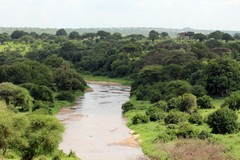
198	14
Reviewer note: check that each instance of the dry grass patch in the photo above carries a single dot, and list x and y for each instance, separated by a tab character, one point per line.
189	149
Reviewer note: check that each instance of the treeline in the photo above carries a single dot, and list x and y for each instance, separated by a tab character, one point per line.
175	74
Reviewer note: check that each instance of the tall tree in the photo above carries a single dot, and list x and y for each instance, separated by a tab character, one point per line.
61	32
153	35
15	95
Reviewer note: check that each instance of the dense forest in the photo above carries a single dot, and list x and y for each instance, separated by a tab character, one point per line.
184	95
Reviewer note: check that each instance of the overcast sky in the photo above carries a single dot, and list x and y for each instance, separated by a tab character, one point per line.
198	14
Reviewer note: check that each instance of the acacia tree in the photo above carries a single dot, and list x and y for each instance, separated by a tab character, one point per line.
15	95
222	76
42	136
12	128
153	35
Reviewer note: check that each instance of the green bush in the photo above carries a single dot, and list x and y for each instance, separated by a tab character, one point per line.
155	113
127	107
233	101
140	118
204	135
167	136
162	105
205	102
189	103
223	121
186	130
196	118
175	117
66	96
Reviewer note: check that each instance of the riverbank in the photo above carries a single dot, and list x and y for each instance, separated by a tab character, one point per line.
106	80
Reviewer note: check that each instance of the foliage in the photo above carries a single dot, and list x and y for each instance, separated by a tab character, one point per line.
196	118
223	121
42	136
127	107
140	118
155	113
15	95
186	130
233	101
205	102
175	117
66	96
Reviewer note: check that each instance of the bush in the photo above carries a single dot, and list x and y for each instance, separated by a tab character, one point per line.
223	121
175	117
66	96
189	103
204	135
205	102
155	113
233	101
46	106
167	136
162	105
174	103
186	130
140	118
196	118
127	107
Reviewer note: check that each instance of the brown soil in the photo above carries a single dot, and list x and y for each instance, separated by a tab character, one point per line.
105	83
132	141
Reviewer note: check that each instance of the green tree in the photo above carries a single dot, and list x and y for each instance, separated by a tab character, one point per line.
233	101
227	37
61	32
15	95
217	35
43	136
205	102
74	35
12	130
189	103
199	36
222	76
18	34
153	35
223	121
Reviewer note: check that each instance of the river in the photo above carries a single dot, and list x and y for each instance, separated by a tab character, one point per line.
95	129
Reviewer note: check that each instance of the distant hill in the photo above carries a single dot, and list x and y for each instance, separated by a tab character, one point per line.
124	31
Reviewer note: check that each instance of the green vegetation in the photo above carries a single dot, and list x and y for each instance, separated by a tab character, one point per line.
174	84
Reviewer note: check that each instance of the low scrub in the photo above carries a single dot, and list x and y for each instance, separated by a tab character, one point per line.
189	149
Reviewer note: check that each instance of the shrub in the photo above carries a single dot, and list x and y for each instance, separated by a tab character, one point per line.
199	90
205	102
186	130
189	103
204	135
167	136
175	117
223	121
162	105
233	101
140	118
66	96
174	103
127	107
155	113
196	118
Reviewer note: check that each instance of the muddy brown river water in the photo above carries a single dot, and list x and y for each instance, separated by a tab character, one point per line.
95	129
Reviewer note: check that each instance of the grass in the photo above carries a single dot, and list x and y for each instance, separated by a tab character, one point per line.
58	104
151	130
122	81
